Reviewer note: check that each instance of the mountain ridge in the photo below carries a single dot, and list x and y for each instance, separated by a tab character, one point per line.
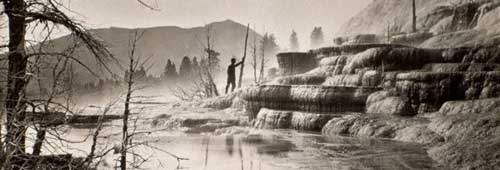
162	43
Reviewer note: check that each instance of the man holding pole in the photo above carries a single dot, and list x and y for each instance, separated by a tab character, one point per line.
231	74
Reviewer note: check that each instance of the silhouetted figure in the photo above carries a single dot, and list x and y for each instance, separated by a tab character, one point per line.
231	75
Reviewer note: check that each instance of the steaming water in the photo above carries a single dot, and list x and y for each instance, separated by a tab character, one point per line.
252	150
288	150
270	150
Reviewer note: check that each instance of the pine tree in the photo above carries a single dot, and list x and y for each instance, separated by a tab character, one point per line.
173	71
294	41
195	65
317	38
270	45
170	72
268	48
185	69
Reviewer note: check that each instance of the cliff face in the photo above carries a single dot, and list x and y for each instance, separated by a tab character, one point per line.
439	23
376	17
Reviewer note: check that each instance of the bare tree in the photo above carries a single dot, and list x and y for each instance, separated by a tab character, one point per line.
268	48
262	58
208	70
244	57
22	64
130	82
254	61
202	85
131	115
22	13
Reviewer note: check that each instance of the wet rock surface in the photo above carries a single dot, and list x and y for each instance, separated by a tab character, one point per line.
305	121
187	119
472	139
431	97
360	125
306	98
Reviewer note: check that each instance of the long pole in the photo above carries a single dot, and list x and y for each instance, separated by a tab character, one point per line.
244	57
255	60
414	16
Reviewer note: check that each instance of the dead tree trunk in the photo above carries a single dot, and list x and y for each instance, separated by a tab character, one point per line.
16	82
244	57
262	61
211	82
40	137
126	113
128	97
414	16
254	64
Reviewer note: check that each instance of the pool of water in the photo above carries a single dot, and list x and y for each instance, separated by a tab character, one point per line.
253	149
285	150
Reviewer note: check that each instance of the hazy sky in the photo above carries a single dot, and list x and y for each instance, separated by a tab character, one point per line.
275	16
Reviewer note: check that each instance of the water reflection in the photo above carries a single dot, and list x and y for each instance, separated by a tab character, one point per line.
292	150
230	144
206	143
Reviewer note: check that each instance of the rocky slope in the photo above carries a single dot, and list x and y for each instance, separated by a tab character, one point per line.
440	23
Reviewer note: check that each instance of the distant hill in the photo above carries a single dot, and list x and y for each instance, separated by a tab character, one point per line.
162	43
452	22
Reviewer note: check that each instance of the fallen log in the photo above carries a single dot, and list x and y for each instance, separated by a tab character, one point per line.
60	118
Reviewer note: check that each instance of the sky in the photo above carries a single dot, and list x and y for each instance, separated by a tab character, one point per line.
279	17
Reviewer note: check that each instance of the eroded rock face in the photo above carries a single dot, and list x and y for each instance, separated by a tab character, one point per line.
296	63
274	119
482	106
392	106
224	101
390	59
435	16
471	130
368	125
418	134
349	49
329	99
301	79
310	121
427	91
411	38
358	39
398	128
418	103
460	67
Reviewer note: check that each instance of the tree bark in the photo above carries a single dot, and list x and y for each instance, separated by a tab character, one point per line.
16	83
126	112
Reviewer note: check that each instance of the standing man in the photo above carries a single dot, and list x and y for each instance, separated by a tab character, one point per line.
231	75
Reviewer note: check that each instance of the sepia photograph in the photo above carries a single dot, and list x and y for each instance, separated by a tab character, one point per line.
249	84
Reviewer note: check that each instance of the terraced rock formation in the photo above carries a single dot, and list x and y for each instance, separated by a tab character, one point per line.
426	96
438	86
